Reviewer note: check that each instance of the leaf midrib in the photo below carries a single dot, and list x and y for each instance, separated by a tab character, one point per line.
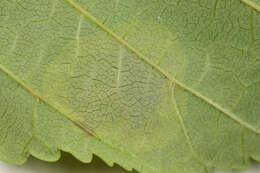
252	4
159	69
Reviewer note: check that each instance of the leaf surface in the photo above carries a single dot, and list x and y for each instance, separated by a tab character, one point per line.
158	86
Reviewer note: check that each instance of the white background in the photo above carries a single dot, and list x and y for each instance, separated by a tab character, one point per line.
68	164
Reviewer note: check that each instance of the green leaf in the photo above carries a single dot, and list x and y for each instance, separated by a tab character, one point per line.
156	86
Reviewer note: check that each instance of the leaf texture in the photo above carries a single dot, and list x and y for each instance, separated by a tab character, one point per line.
156	86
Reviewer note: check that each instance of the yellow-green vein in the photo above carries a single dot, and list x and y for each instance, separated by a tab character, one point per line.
252	4
194	155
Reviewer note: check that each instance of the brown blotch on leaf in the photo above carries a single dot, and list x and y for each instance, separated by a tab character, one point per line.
84	125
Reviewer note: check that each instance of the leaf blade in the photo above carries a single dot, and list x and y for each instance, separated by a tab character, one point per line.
76	115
